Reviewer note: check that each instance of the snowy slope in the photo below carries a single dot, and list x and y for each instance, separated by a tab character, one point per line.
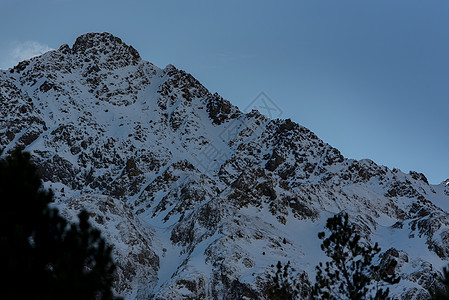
198	198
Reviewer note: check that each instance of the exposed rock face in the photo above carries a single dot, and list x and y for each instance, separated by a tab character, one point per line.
198	198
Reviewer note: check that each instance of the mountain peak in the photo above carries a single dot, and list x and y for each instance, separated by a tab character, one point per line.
106	44
195	194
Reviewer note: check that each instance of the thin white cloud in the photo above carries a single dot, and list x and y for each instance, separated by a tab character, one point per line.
28	49
20	51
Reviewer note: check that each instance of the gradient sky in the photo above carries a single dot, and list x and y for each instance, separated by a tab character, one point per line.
371	78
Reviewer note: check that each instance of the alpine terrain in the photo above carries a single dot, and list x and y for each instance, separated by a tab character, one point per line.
199	199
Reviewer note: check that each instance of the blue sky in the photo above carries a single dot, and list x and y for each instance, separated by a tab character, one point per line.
369	77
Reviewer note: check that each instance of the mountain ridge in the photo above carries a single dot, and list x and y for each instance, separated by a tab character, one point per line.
185	185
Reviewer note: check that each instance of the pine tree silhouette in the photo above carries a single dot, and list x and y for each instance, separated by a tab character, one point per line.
349	273
42	255
283	284
442	293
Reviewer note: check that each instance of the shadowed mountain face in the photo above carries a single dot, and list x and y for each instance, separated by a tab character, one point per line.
198	198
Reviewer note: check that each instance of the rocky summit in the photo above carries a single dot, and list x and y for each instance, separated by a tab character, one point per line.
199	199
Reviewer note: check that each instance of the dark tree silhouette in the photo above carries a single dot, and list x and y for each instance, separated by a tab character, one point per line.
442	292
350	272
282	285
42	255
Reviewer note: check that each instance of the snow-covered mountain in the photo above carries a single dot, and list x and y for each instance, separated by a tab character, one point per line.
198	198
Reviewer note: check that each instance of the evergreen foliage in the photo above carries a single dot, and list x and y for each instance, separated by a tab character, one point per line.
282	285
350	272
42	255
442	293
